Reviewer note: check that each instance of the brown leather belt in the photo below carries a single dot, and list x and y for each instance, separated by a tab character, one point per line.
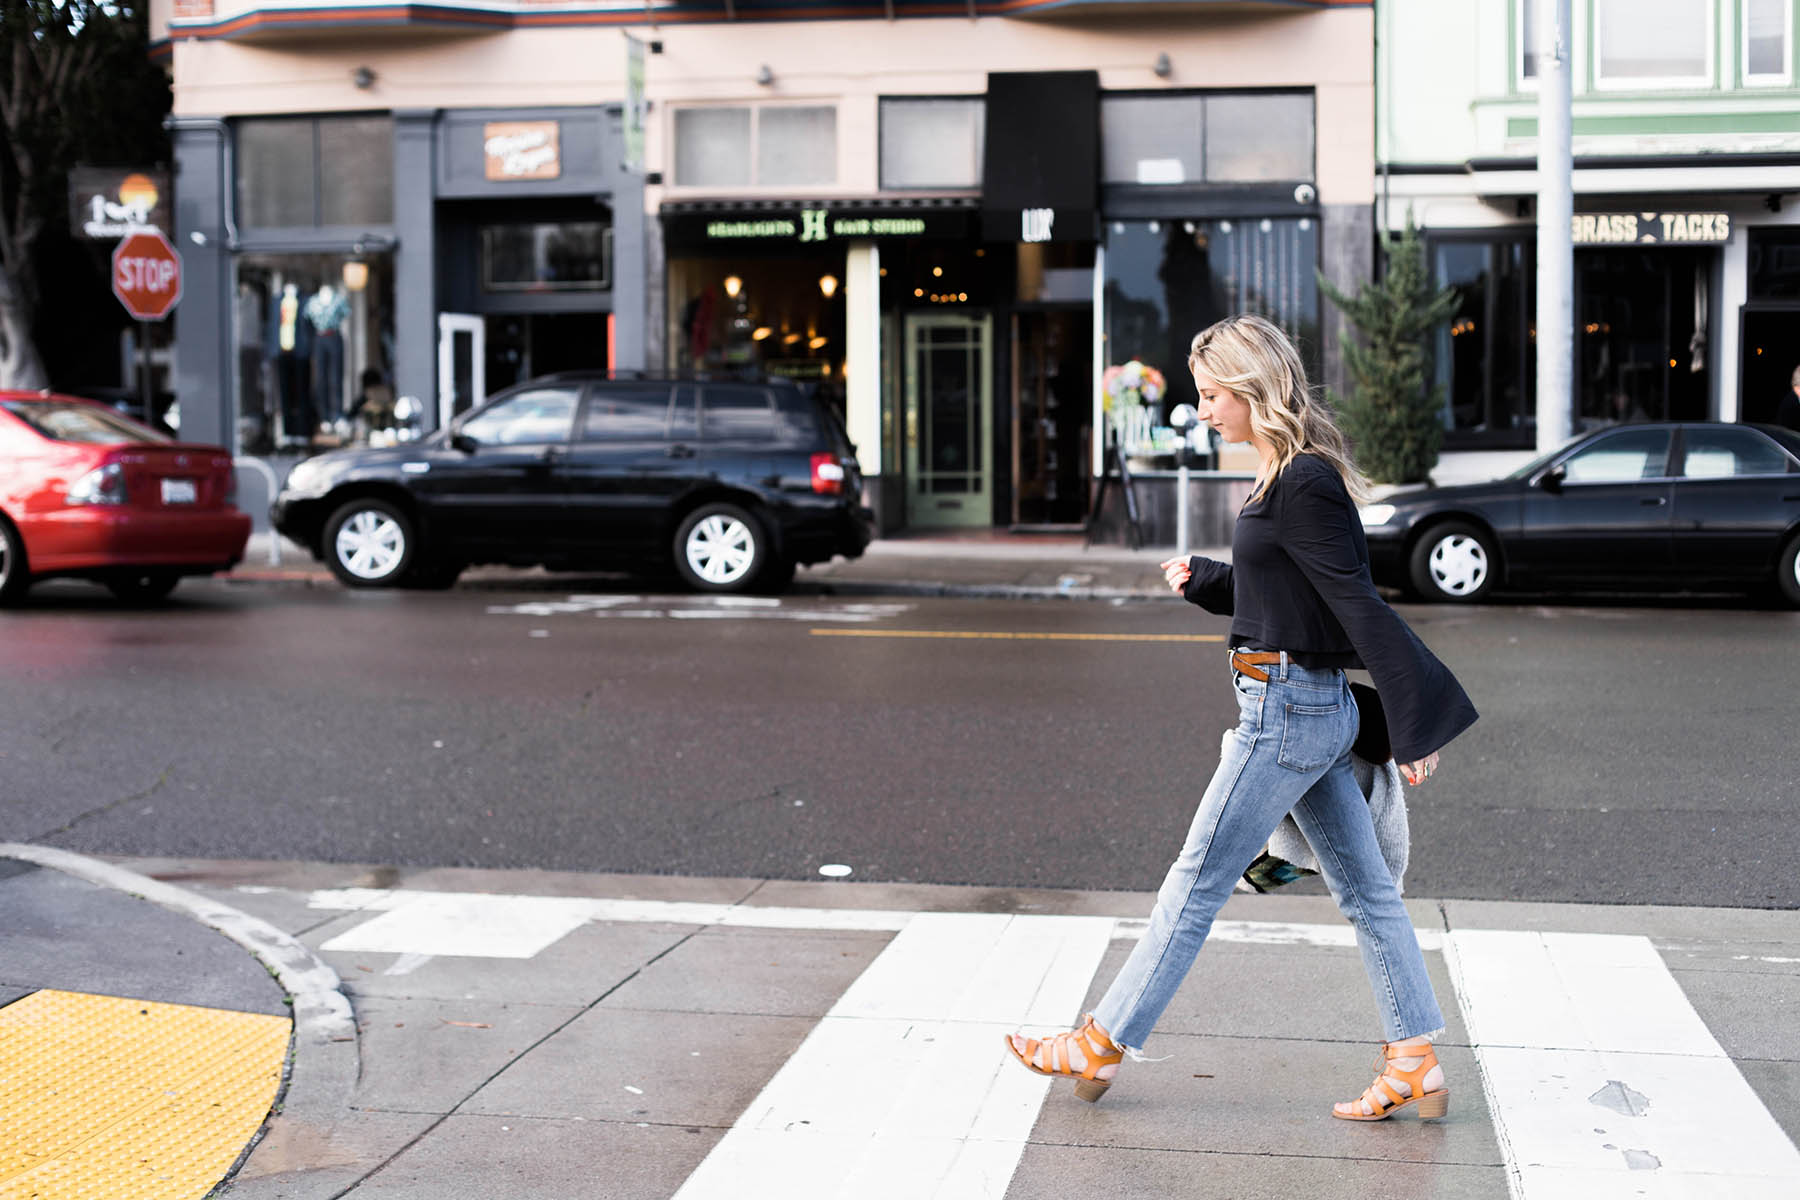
1249	663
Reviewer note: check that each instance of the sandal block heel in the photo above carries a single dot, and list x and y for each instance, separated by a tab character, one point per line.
1433	1105
1091	1090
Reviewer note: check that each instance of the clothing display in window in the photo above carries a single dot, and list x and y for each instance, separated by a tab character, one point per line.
290	340
326	311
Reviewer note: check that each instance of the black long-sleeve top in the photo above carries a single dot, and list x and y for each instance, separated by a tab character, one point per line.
1299	581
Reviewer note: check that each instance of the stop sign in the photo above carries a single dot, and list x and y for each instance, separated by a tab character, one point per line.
146	275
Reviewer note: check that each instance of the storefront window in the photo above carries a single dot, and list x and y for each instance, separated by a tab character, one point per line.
315	337
313	171
550	257
1259	138
1223	137
1641	335
787	145
1168	280
1483	354
1775	264
796	146
776	315
932	143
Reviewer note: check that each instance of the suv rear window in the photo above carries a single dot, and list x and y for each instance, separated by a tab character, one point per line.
735	412
67	421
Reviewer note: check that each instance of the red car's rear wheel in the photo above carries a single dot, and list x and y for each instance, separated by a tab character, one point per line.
15	571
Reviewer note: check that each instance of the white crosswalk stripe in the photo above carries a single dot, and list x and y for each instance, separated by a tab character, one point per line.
1602	1079
703	608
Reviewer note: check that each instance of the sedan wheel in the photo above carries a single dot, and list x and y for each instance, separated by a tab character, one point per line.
720	548
15	572
1453	562
369	543
1787	572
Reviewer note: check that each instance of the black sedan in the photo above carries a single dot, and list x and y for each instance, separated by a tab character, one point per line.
1691	506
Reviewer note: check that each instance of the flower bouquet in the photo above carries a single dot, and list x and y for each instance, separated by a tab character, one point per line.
1131	395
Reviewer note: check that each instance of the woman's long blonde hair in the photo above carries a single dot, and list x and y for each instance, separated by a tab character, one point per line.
1252	357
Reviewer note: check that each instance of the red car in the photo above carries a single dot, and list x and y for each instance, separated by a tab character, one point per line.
87	492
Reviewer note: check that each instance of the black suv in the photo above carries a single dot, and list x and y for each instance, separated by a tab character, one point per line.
733	481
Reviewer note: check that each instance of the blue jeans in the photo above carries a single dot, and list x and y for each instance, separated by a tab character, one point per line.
1289	752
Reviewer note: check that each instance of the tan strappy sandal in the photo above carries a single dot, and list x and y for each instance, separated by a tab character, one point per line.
1383	1099
1096	1048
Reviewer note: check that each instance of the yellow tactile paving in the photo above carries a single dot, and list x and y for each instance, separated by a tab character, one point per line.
103	1098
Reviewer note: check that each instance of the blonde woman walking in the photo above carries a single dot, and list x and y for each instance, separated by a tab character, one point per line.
1303	610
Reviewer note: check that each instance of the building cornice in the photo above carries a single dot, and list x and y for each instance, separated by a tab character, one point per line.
200	19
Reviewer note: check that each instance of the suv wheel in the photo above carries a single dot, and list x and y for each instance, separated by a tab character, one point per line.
720	548
369	543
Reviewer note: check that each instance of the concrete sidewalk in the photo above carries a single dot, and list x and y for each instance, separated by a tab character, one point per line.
982	563
545	1036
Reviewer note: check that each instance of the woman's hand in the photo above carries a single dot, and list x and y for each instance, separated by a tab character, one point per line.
1416	773
1177	572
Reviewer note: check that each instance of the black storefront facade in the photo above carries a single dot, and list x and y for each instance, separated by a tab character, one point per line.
1686	300
966	334
358	277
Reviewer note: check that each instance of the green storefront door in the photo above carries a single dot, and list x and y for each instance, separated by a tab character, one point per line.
949	420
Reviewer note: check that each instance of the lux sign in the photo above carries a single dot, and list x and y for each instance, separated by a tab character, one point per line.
1035	223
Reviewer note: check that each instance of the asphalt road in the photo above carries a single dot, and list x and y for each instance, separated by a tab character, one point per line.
1640	754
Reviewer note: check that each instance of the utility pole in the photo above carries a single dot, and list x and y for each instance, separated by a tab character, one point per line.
1555	241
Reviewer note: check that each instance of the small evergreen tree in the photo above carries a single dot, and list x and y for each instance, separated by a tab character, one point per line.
1394	413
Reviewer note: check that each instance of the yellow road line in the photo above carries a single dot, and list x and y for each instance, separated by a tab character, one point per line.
969	634
103	1096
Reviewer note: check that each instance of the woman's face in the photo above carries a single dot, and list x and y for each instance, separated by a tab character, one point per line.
1222	408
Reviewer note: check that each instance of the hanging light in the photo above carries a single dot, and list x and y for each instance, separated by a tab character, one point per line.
733	285
356	275
828	284
762	332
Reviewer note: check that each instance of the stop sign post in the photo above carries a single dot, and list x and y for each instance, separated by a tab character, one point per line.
146	277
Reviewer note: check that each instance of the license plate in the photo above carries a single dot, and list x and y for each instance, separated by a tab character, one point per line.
178	491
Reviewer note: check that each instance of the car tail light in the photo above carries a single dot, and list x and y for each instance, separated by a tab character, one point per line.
827	474
102	485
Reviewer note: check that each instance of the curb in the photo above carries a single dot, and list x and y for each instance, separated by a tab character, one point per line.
327	1059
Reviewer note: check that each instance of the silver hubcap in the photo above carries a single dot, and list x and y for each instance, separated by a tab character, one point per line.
720	549
369	544
1459	565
